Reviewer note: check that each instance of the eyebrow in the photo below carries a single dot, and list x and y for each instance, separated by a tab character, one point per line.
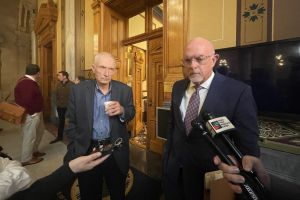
105	66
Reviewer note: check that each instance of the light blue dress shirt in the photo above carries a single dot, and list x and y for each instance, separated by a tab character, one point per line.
101	126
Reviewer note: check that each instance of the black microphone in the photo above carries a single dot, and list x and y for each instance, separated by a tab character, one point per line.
219	126
198	125
253	189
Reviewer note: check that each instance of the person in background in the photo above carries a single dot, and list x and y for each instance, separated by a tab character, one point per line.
79	79
62	99
91	124
27	94
187	155
15	180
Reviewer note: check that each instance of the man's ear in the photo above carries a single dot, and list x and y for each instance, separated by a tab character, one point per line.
216	58
93	68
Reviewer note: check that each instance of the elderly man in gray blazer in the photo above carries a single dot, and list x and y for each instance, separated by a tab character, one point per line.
92	124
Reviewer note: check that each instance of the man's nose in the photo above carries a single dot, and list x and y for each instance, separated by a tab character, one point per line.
194	64
106	72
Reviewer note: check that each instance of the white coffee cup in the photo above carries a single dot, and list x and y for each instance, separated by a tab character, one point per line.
106	104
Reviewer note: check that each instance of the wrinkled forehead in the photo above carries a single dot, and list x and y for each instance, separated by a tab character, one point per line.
198	47
106	61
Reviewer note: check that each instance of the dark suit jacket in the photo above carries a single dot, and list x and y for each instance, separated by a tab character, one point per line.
226	97
81	112
47	187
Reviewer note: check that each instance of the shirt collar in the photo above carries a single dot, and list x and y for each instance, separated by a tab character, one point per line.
30	77
205	85
98	88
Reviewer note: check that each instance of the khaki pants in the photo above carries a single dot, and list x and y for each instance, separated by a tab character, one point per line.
32	132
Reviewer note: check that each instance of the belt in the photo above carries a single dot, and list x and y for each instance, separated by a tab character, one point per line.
104	142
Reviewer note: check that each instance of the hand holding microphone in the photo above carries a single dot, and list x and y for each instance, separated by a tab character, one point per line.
231	173
252	188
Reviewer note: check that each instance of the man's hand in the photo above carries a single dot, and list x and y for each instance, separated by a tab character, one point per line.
85	163
249	163
114	108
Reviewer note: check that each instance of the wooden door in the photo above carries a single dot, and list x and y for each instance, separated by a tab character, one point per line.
45	30
138	65
155	91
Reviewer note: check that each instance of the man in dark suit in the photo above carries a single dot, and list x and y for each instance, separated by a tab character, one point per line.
92	124
187	155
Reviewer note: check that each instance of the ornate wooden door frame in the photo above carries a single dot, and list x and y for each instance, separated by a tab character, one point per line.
139	61
155	79
45	30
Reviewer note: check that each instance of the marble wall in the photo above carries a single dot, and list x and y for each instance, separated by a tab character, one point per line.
70	38
15	41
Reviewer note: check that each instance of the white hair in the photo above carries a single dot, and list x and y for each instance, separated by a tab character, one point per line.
102	55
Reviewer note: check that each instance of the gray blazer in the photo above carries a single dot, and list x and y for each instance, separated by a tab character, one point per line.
80	113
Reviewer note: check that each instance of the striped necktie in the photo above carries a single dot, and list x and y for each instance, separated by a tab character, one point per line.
192	109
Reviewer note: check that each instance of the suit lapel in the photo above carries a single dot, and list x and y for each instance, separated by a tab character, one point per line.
214	94
114	91
89	99
115	96
177	100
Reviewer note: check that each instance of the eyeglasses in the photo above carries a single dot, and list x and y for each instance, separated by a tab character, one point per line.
199	59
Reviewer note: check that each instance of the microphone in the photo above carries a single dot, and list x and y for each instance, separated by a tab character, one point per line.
198	125
253	189
219	126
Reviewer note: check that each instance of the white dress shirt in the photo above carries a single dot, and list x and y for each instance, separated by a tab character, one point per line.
190	90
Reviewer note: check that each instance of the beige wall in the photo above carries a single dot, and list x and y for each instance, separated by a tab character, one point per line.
214	20
136	25
286	19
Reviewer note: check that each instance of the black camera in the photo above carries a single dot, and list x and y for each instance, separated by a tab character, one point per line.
109	148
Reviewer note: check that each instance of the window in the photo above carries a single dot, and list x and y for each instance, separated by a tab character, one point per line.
157	16
136	25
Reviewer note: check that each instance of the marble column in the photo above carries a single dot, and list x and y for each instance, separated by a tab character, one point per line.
33	48
70	38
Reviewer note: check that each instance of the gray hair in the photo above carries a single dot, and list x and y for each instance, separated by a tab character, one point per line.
104	54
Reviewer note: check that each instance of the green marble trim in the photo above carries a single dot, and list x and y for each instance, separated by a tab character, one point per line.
280	146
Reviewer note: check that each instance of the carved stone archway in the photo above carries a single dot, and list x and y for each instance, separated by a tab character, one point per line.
45	30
